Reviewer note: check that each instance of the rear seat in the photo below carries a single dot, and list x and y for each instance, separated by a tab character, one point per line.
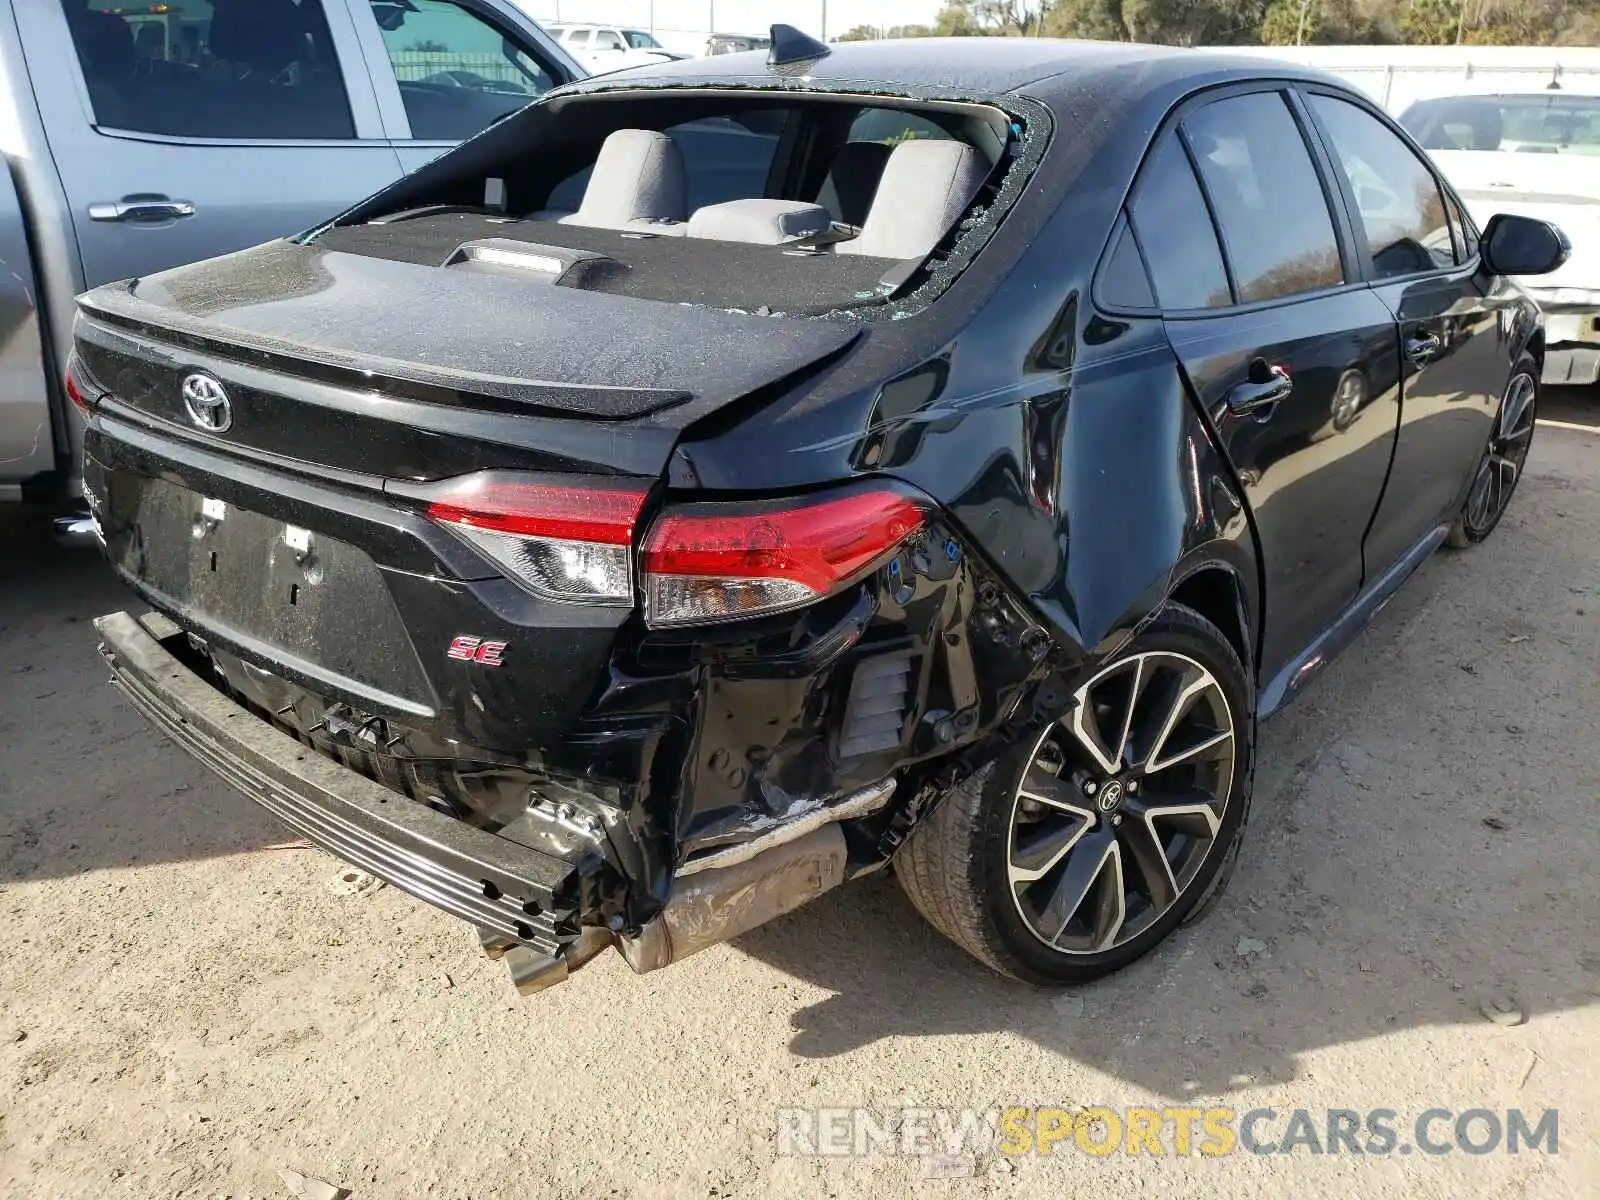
925	188
638	185
852	181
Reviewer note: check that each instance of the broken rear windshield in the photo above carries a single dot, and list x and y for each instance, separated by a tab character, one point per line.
813	205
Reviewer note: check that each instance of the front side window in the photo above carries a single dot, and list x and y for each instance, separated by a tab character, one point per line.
1469	232
1407	228
608	39
640	40
1175	231
1269	202
244	69
457	73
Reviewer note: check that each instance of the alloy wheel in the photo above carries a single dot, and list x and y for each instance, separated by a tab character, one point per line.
1502	464
1121	802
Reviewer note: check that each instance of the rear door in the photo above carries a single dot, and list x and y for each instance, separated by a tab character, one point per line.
181	132
1285	347
1422	258
444	70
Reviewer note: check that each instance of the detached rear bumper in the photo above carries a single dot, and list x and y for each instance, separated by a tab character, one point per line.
515	895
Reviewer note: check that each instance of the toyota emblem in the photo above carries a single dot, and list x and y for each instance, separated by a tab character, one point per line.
207	403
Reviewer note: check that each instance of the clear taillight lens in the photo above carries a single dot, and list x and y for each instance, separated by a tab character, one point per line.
561	541
704	563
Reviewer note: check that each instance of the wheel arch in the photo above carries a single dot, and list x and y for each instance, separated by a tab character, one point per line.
1217	591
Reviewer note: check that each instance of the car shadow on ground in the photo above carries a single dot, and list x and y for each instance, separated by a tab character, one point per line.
85	783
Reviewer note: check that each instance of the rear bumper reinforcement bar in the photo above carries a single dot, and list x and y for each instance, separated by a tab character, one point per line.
514	893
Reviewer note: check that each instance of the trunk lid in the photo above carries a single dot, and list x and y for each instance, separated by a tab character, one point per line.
407	371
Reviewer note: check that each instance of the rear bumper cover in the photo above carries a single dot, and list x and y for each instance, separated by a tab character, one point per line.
517	894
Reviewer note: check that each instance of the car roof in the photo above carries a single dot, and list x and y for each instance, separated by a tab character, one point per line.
1041	67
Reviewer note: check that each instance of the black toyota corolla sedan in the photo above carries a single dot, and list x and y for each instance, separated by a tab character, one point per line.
722	480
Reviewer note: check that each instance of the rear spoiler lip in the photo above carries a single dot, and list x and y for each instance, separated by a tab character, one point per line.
435	385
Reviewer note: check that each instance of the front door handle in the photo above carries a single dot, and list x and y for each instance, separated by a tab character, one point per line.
1267	384
1423	348
149	208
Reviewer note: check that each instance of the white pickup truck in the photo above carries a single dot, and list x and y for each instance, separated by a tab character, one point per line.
602	48
1538	155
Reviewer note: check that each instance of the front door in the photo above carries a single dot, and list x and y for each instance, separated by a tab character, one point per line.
182	132
1454	345
1293	357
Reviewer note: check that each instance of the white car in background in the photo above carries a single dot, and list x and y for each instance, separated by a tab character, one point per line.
1535	154
603	48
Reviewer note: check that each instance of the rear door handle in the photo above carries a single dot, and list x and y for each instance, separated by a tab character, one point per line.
1423	348
1267	384
141	208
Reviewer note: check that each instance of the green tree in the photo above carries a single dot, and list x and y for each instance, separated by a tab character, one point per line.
1330	22
1100	20
858	33
1273	22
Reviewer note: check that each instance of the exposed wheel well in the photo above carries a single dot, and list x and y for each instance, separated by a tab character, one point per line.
1214	594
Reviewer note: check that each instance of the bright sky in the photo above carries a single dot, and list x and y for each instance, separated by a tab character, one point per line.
692	18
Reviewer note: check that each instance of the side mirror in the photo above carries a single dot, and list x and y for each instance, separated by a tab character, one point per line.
1523	246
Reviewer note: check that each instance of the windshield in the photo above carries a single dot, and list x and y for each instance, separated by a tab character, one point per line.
1543	123
640	40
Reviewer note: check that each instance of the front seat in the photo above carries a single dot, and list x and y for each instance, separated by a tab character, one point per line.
257	37
852	181
104	42
925	188
637	185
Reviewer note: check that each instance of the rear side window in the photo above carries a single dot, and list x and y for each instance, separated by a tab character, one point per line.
1407	228
1274	217
1123	282
1169	216
245	69
457	72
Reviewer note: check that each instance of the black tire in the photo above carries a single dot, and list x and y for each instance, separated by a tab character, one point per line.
1512	420
955	866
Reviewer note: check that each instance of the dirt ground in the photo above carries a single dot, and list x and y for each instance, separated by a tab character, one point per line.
184	1010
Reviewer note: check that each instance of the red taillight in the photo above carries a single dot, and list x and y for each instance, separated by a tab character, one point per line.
75	388
561	541
567	513
719	562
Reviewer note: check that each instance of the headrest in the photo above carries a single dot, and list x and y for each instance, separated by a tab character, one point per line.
759	222
637	176
926	185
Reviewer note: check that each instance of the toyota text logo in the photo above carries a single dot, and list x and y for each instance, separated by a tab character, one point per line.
207	403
